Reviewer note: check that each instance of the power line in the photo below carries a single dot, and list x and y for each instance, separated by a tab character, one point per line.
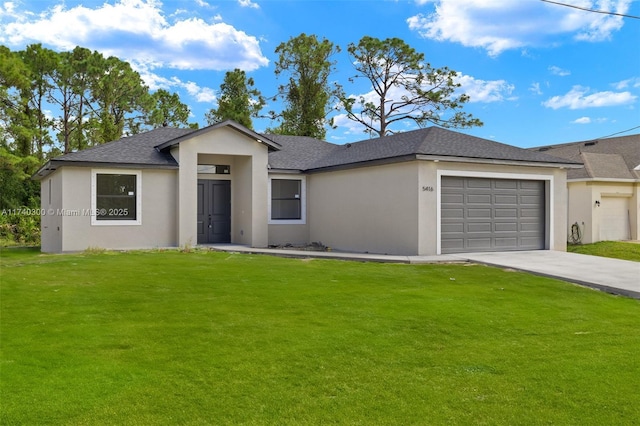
617	133
592	10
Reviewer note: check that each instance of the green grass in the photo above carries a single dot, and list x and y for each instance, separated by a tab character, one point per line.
614	249
197	338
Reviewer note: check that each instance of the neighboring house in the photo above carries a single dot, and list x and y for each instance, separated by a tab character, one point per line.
604	196
422	192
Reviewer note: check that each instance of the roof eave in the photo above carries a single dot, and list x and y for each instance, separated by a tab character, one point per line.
568	165
53	165
285	171
608	180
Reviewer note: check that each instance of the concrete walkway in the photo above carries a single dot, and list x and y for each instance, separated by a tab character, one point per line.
610	275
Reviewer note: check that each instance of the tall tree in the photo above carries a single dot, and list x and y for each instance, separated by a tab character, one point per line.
308	94
167	110
238	101
40	63
118	93
14	82
404	88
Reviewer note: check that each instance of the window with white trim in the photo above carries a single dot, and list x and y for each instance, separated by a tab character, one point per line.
287	199
115	197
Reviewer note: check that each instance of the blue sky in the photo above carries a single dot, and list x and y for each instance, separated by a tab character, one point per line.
537	73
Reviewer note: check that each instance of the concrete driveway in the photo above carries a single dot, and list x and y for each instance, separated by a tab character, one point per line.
610	275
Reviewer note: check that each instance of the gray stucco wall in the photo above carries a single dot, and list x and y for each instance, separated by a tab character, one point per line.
158	210
50	217
367	209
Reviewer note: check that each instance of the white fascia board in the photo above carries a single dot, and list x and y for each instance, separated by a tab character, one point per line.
492	161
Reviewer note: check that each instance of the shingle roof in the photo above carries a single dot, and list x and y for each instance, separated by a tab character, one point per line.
431	141
298	153
137	149
610	158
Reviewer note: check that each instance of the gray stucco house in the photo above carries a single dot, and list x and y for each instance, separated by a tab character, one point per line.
604	196
423	192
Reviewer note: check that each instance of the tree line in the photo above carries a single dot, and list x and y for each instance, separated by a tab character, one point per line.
98	99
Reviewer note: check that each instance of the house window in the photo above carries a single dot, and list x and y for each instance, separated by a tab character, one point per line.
115	198
287	201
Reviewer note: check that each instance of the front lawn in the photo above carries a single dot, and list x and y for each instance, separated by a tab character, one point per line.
168	338
615	249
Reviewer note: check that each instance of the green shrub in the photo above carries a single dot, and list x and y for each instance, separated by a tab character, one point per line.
19	227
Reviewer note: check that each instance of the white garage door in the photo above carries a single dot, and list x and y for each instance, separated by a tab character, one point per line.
614	218
479	214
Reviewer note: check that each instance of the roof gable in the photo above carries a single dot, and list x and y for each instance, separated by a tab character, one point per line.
227	123
609	158
605	166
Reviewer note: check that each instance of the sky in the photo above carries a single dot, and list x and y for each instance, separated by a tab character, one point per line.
537	73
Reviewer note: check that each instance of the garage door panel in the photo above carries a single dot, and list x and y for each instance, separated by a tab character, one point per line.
452	228
479	214
474	213
477	183
479	199
505	243
506	199
457	213
505	227
506	213
453	182
529	213
452	198
533	185
530	243
479	227
504	184
533	200
478	244
453	245
530	226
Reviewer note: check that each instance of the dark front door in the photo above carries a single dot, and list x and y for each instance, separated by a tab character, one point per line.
214	211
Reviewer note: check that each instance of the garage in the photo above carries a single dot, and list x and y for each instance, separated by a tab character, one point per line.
481	214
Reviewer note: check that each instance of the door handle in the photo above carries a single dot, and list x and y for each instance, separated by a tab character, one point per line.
209	221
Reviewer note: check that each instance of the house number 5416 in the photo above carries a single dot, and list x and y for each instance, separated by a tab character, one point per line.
427	188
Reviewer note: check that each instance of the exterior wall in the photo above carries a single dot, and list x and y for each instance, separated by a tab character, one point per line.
430	176
584	211
249	185
368	209
289	234
580	210
50	205
395	208
158	210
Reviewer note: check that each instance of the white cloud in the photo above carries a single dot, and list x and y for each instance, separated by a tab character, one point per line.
500	25
201	94
535	88
578	98
582	120
485	91
155	82
628	83
183	44
559	71
248	3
